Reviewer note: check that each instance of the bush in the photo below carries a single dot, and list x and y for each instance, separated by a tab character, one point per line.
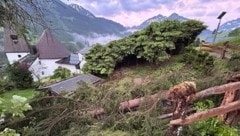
5	83
151	44
20	75
234	62
200	61
61	73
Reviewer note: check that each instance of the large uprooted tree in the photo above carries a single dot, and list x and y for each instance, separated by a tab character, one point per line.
154	44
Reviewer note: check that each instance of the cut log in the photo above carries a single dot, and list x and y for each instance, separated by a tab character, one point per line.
127	105
228	98
207	114
218	90
169	115
164	94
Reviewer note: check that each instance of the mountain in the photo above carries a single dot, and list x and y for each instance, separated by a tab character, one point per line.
72	25
160	18
76	19
230	25
82	11
175	16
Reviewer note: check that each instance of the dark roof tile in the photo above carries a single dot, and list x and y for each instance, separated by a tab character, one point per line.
50	48
72	84
10	46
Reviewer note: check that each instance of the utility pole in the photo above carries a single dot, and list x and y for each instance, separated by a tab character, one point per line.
220	18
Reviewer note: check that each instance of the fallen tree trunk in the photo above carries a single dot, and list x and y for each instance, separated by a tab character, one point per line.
127	105
169	115
207	114
163	94
218	90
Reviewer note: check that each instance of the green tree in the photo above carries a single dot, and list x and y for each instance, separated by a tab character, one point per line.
62	73
20	75
150	44
15	108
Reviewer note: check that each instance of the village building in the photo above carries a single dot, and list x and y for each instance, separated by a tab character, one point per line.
15	46
49	56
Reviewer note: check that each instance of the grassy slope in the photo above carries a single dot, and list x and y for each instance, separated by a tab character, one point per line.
148	78
139	80
28	93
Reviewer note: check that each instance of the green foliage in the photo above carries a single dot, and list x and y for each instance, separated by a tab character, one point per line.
20	75
62	73
149	44
234	62
235	32
3	57
9	132
234	41
5	83
16	107
200	61
209	127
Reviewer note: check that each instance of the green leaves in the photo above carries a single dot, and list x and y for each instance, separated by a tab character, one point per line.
16	107
150	44
9	132
62	73
20	75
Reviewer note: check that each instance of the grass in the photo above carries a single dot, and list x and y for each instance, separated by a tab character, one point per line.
28	93
235	41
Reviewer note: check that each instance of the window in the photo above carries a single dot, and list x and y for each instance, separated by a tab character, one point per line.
14	38
42	72
19	56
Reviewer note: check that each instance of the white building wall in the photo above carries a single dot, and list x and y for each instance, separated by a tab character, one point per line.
72	68
42	68
13	57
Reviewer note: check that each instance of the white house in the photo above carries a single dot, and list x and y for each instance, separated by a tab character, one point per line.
15	46
50	55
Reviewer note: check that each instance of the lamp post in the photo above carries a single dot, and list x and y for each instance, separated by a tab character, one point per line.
219	17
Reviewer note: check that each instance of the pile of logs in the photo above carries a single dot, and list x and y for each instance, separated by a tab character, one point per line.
185	93
228	111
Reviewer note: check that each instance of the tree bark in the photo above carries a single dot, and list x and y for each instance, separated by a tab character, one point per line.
163	94
127	105
207	114
218	90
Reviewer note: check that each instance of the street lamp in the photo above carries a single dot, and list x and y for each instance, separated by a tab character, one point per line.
219	17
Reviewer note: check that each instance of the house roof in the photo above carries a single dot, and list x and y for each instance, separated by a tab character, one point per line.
50	48
28	59
12	47
71	84
72	59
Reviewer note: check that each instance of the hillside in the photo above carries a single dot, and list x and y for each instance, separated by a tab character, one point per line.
134	81
70	20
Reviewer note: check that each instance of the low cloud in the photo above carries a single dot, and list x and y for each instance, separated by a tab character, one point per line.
94	38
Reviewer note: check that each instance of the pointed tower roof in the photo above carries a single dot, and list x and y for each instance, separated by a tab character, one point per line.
50	48
14	43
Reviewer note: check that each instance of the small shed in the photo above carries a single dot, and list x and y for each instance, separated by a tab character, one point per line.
71	84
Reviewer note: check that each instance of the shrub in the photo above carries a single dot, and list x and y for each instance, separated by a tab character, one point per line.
234	62
20	75
200	61
151	44
62	73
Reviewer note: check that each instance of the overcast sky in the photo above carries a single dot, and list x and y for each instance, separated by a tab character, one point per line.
134	12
